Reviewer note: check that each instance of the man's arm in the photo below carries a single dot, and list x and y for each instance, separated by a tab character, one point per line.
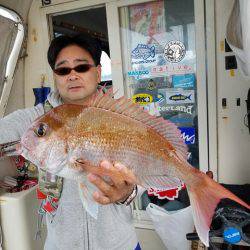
15	124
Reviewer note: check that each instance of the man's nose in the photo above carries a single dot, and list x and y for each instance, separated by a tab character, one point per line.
73	75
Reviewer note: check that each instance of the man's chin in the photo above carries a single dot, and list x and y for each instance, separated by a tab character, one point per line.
75	99
78	97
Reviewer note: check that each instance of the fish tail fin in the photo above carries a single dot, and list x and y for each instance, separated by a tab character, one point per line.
189	97
86	190
205	194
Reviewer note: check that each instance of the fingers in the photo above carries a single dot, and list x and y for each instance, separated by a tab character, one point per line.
104	200
105	194
86	166
113	172
103	186
114	182
118	173
104	169
126	173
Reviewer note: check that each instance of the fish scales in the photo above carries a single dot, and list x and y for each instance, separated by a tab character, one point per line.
93	133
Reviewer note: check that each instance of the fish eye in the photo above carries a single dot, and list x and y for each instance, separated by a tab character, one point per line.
40	130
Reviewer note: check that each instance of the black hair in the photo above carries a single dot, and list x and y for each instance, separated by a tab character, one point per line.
90	44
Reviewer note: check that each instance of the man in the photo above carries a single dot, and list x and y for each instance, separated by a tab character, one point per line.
75	62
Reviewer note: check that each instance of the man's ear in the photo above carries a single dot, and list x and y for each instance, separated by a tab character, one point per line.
99	73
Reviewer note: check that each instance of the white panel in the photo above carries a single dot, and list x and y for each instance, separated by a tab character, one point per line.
36	64
149	239
233	136
115	48
19	220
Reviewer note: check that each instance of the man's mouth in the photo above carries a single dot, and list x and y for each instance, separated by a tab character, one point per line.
75	88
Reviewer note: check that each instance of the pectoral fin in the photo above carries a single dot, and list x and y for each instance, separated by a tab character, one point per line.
86	190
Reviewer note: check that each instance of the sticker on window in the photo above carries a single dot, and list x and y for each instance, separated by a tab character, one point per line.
183	81
188	134
174	51
180	96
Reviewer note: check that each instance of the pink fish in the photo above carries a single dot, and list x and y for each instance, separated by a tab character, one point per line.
118	130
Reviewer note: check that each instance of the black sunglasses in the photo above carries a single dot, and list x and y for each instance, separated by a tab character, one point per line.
63	71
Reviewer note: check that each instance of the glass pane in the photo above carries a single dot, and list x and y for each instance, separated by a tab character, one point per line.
106	67
159	65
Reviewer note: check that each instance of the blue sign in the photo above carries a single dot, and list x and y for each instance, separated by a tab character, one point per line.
138	73
188	134
232	235
180	96
159	98
183	81
143	51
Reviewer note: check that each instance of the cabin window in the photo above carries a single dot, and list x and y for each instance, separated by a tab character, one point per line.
12	34
93	23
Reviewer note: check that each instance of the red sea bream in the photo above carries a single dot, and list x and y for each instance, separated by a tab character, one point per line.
118	130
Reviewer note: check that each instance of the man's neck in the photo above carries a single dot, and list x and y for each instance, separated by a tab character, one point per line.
78	102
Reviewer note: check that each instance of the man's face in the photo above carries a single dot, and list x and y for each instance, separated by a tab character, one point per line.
76	87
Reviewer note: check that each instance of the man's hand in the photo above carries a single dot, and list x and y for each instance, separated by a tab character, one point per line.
115	182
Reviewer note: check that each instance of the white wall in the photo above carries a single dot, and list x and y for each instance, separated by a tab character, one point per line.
233	136
36	60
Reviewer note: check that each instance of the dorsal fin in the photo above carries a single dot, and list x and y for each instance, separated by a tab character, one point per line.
125	107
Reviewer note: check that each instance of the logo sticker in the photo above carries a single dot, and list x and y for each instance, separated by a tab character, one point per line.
171	69
138	74
169	194
174	51
232	235
150	84
183	81
183	109
188	134
180	96
142	98
143	51
159	98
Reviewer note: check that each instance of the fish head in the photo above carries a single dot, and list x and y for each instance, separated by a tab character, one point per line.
45	142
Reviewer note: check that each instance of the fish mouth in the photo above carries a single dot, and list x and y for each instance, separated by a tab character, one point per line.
27	154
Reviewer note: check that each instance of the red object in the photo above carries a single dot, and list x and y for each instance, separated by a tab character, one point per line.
48	207
19	161
40	195
55	200
169	194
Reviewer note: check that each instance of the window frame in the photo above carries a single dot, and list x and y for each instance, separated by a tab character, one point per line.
13	58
